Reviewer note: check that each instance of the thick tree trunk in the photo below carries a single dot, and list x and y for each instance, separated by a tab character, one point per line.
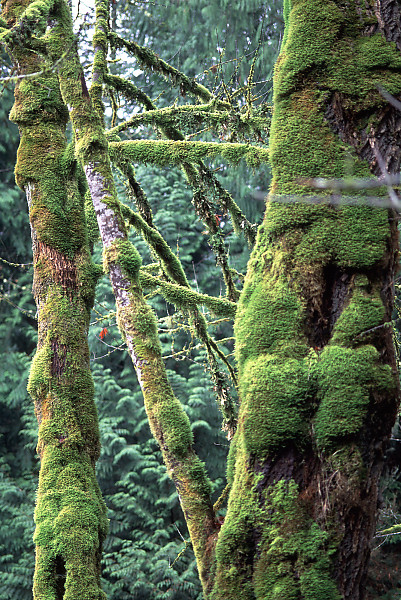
70	514
318	378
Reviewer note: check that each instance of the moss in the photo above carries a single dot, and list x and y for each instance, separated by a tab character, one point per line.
275	396
232	456
268	319
364	311
347	378
291	552
294	560
126	255
150	59
70	514
235	538
313	299
91	220
163	152
184	298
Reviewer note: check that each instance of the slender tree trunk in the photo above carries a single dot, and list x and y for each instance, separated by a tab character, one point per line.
318	378
70	514
136	320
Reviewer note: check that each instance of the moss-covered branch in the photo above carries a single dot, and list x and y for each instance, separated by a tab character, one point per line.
129	91
164	152
185	298
150	60
227	203
100	47
70	515
191	115
173	269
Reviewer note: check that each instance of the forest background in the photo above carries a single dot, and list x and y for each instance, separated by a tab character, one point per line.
146	555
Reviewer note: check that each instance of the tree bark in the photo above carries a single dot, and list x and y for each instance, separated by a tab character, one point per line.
136	320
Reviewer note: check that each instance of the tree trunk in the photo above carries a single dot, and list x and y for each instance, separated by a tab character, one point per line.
318	380
70	514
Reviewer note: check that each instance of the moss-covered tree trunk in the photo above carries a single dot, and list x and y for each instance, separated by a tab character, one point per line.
318	379
70	514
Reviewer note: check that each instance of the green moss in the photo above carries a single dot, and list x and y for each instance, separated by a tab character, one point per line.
232	457
184	298
294	560
347	378
91	220
235	538
275	395
268	319
364	311
308	256
291	552
70	514
163	152
341	59
124	253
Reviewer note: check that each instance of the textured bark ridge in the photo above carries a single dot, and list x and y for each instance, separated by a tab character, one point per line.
318	381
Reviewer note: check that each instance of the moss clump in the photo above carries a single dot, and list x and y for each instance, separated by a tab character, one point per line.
235	538
295	552
124	253
348	377
275	395
268	319
291	552
362	315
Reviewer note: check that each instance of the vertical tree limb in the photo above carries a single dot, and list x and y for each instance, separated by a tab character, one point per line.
137	323
70	514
